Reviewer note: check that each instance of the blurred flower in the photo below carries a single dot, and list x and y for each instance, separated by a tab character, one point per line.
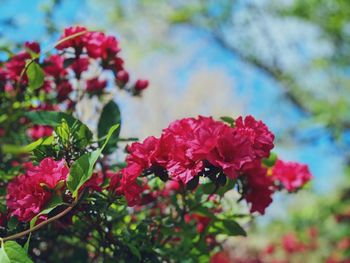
292	175
95	86
38	131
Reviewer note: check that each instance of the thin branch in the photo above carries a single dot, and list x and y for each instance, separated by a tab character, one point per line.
44	223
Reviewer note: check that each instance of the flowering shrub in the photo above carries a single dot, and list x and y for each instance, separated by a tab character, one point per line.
316	232
67	188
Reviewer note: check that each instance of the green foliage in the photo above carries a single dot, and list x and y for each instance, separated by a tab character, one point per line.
229	120
271	160
35	75
11	252
15	149
228	227
110	116
82	169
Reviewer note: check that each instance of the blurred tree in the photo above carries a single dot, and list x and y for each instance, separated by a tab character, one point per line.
303	45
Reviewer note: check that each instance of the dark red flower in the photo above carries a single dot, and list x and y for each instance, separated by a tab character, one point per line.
64	88
141	84
32	46
79	66
95	86
122	77
2	132
16	65
259	189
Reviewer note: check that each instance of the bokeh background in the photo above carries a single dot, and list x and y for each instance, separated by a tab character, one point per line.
283	61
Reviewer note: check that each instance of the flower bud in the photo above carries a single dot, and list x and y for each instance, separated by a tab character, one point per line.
122	77
141	84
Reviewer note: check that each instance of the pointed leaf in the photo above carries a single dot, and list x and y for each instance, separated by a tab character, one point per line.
35	76
82	169
110	116
16	253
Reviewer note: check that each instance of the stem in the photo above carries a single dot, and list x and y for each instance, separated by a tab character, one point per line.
38	226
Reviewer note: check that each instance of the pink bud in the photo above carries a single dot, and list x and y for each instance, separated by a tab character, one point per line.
141	84
122	76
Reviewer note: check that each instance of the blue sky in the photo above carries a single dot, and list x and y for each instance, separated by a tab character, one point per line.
267	103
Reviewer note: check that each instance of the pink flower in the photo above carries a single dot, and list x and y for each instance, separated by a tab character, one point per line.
77	42
292	175
221	257
191	147
291	244
28	194
170	186
3	77
95	86
114	181
101	46
202	221
54	66
38	131
49	171
260	138
79	66
94	183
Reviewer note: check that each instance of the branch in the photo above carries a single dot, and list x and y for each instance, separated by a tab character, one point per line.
38	226
270	71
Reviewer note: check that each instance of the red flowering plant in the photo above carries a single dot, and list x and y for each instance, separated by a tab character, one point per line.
67	189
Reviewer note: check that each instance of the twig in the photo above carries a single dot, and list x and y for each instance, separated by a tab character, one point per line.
38	226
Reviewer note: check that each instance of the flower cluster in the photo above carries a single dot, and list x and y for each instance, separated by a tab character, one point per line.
28	194
203	147
84	64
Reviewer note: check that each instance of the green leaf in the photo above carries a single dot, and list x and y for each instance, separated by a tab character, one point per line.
269	162
63	132
134	250
208	188
81	135
16	149
3	256
110	116
80	132
229	227
55	202
230	184
82	169
50	118
228	120
35	76
15	253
